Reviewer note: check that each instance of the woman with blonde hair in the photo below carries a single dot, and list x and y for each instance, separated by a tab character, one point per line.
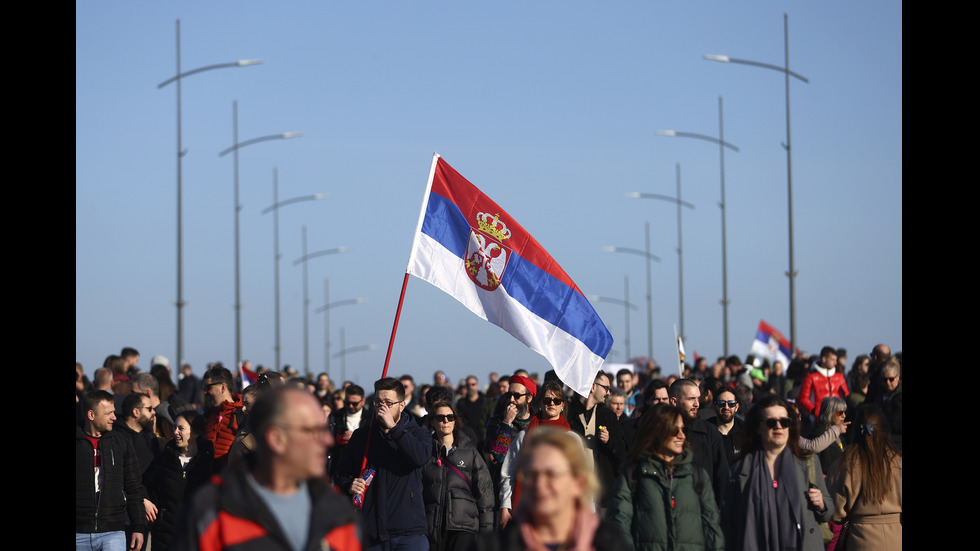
866	485
555	511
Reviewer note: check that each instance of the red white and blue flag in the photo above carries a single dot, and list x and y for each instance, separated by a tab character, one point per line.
472	249
770	344
249	377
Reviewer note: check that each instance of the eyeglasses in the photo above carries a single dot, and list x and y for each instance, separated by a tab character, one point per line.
782	422
386	403
517	395
603	386
449	418
316	431
548	476
726	403
552	401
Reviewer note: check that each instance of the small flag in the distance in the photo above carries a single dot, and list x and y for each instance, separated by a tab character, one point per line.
469	247
770	344
248	376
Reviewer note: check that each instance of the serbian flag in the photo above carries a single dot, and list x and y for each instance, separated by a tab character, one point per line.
770	344
469	247
248	376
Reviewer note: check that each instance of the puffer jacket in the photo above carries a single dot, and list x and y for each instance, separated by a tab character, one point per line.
450	503
121	495
169	486
224	422
656	509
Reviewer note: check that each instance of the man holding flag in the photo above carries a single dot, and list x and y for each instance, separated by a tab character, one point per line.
393	515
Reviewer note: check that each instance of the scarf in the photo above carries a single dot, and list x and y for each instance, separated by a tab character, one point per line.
772	515
583	531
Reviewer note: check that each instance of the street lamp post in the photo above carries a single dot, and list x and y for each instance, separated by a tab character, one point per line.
791	274
627	306
680	254
306	294
274	208
180	187
646	254
722	144
327	305
236	145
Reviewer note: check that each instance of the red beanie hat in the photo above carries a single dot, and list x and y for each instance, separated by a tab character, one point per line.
527	382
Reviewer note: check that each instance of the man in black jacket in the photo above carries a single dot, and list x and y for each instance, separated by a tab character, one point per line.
393	513
704	439
603	435
107	480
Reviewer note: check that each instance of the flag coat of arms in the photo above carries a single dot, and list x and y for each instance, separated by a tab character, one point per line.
469	247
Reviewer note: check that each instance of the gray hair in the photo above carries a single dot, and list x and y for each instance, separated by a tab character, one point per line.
828	407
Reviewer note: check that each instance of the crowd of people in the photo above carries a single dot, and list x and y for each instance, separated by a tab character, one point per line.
733	455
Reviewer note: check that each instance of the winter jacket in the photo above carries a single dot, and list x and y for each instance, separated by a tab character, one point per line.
121	494
819	384
607	456
224	422
656	509
393	503
873	525
230	514
807	527
169	486
451	503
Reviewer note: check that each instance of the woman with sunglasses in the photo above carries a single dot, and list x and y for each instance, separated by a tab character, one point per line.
550	405
776	496
457	489
867	485
661	499
833	410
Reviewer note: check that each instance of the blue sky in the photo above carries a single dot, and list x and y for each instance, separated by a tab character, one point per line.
549	107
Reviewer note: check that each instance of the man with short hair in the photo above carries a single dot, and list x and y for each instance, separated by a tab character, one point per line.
617	403
624	380
603	436
393	514
705	440
412	403
225	417
730	426
279	498
352	417
822	382
189	386
107	481
130	357
473	408
138	427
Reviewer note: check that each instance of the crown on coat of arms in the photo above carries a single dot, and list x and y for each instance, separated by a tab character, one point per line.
492	225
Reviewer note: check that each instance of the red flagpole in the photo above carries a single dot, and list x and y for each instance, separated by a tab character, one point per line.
384	372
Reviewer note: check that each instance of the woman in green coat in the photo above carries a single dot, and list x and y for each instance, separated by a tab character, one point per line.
661	500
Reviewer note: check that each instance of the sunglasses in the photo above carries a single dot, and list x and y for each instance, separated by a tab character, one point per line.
891	379
723	403
782	422
445	418
517	395
552	401
354	404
